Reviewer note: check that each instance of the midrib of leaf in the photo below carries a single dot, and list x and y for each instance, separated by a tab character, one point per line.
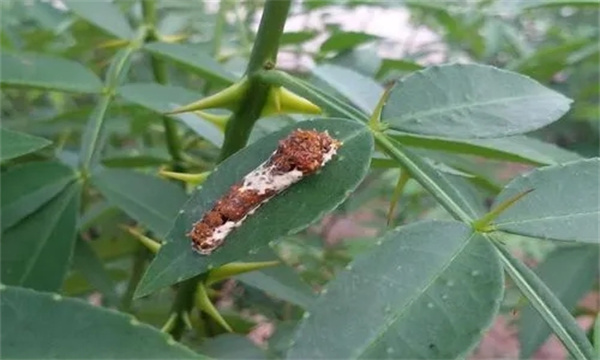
441	110
553	217
417	296
569	333
68	194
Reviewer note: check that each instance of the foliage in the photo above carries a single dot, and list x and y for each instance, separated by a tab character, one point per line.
103	175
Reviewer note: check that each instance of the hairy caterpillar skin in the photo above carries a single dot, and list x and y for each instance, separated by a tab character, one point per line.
302	153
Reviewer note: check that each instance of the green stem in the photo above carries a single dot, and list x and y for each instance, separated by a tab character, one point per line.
184	303
243	30
427	182
330	104
159	70
219	25
264	54
139	265
184	297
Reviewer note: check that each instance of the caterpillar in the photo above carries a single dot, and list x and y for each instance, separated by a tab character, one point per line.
300	154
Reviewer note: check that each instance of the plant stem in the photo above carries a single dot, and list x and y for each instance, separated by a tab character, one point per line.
242	28
219	24
184	303
184	298
240	124
159	71
139	265
264	54
394	151
94	130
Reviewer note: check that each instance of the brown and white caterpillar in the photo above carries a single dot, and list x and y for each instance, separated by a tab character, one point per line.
301	153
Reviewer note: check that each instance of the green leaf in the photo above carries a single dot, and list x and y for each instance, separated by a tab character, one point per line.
25	188
289	212
103	14
152	201
391	65
48	326
428	290
193	59
362	91
363	60
282	282
471	101
163	98
37	251
547	305
46	73
570	273
518	148
345	40
87	262
564	204
14	144
535	4
545	62
297	37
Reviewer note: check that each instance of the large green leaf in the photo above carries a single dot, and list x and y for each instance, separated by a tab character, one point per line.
27	187
427	291
193	59
564	204
362	91
47	73
103	14
37	251
471	101
570	272
289	212
152	201
47	326
163	98
14	144
514	148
